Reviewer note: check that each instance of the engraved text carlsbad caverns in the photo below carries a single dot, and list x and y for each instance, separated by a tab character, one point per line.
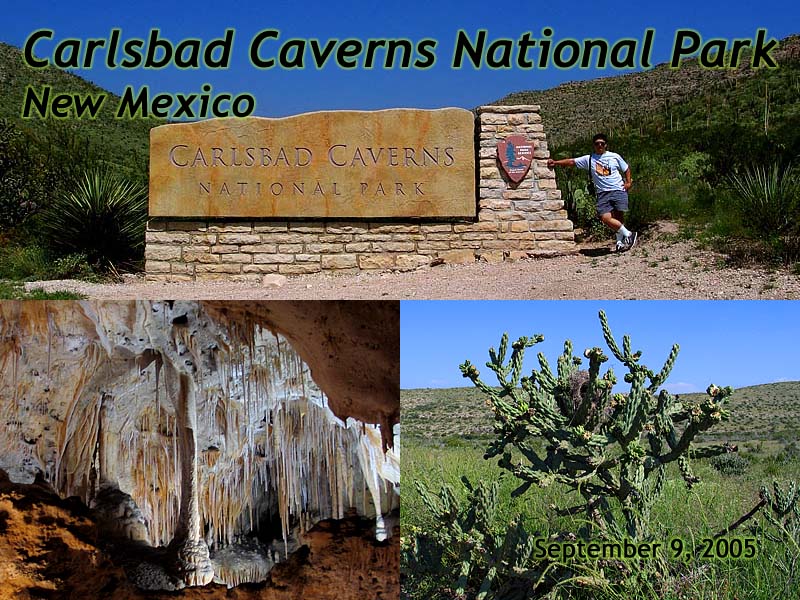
396	163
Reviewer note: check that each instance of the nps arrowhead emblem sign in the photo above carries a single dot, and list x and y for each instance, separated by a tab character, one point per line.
515	154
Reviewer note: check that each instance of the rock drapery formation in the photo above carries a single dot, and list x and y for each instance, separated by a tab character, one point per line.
358	339
202	418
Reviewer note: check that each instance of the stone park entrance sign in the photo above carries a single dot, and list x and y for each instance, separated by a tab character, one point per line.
390	163
236	199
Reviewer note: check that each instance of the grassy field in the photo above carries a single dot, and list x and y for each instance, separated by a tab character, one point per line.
769	413
445	433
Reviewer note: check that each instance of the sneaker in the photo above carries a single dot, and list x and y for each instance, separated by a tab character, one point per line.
630	241
620	247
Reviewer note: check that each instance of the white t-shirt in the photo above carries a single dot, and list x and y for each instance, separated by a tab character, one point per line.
606	169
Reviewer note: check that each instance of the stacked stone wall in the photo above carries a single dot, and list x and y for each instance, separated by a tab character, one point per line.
513	221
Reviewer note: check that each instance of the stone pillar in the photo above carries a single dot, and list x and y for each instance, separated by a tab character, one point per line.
531	216
192	561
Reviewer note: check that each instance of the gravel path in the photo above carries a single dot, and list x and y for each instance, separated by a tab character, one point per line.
657	268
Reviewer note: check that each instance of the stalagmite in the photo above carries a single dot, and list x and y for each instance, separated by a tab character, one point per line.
206	427
193	560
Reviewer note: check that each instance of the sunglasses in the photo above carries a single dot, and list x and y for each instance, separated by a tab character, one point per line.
600	143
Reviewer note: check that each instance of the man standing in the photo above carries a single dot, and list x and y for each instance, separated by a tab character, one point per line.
607	170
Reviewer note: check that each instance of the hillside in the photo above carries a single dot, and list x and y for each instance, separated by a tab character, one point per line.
661	98
763	412
668	98
122	141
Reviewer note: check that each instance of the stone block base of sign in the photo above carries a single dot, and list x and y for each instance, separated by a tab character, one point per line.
514	221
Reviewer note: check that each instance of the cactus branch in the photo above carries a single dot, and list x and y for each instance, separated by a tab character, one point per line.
612	448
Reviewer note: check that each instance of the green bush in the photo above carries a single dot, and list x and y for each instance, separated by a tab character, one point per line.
72	266
789	243
29	263
22	263
730	464
643	211
22	177
586	215
103	218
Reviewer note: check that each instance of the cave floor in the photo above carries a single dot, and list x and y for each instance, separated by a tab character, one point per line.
50	548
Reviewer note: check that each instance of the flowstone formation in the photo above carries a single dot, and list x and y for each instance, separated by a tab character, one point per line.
187	430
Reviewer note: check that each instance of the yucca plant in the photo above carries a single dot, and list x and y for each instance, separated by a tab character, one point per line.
768	197
102	217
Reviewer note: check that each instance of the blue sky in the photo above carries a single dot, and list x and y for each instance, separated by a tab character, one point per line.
734	343
281	92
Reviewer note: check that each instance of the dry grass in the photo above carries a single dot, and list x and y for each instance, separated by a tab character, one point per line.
768	413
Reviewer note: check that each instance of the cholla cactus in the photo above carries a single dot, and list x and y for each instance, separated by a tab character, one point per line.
783	514
464	532
609	447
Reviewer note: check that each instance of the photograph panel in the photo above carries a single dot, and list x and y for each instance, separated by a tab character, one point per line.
600	449
166	445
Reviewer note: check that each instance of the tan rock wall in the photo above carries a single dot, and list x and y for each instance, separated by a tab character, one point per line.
393	163
513	221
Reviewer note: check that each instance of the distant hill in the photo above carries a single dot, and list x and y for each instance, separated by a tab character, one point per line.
668	98
659	98
121	141
762	412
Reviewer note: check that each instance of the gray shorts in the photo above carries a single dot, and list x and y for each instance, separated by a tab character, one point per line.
613	200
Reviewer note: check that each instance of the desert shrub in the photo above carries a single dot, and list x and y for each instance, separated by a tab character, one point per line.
23	262
103	217
28	263
781	525
730	464
22	177
789	243
72	266
790	453
695	165
580	206
731	148
586	215
15	291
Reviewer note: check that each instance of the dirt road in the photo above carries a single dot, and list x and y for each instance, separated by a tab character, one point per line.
657	268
